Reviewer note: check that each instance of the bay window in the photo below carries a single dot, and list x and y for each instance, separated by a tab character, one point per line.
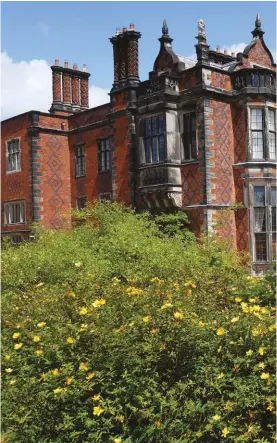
263	134
154	139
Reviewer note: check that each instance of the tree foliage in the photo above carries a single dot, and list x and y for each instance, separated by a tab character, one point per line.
124	330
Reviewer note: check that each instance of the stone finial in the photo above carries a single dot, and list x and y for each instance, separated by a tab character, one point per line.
201	28
258	22
165	28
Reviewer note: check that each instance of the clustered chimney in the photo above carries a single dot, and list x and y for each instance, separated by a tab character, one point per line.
125	53
70	88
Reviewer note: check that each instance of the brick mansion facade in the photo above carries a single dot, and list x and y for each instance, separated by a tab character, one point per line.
198	135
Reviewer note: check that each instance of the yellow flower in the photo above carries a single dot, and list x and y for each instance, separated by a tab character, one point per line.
265	376
272	328
59	390
18	346
178	315
12	382
225	432
156	280
235	320
16	335
71	294
228	406
134	291
83	367
69	380
256	308
153	331
261	351
264	310
39	284
131	324
261	365
115	280
146	319
96	397
221	375
216	417
219	349
201	323
83	311
8	370
238	299
166	306
244	307
36	338
84	327
188	291
120	418
7	357
98	410
117	440
41	324
256	332
252	300
90	375
39	352
270	407
250	352
220	331
98	303
78	264
190	284
55	371
70	340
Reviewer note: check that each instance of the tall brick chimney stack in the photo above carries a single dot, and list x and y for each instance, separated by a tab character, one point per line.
126	57
70	88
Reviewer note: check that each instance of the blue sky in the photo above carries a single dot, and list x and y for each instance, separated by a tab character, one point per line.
79	32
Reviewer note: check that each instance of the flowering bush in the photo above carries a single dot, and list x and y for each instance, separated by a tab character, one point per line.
114	332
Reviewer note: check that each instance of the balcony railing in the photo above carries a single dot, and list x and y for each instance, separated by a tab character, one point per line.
160	84
254	78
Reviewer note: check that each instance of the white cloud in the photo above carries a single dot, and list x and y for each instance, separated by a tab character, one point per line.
27	86
42	28
236	47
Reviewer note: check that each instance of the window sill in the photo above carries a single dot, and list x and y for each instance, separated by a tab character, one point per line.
13	172
15	224
189	162
103	172
80	176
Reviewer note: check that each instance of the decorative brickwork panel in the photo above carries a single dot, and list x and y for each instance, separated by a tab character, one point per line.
238	173
192	185
242	229
132	58
84	92
116	62
258	54
219	80
225	227
57	86
76	99
164	62
222	155
14	186
240	131
66	88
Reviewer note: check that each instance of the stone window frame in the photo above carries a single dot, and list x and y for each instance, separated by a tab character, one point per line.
107	154
249	202
7	155
22	212
83	172
142	137
266	107
182	135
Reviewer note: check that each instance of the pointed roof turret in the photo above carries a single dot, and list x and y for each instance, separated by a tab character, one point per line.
165	38
258	32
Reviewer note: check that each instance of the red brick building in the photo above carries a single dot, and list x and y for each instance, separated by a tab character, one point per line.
197	135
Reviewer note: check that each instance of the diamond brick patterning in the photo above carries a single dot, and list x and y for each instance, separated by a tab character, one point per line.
242	228
239	123
223	154
192	185
14	185
195	219
55	183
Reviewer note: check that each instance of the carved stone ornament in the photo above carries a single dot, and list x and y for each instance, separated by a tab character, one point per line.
201	28
175	198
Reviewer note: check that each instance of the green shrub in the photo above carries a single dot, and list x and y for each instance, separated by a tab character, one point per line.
115	332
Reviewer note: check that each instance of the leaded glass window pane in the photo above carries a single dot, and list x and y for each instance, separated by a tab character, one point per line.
272	145
271	120
257	119
189	139
259	220
261	249
80	161
154	143
104	155
259	196
257	145
13	156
